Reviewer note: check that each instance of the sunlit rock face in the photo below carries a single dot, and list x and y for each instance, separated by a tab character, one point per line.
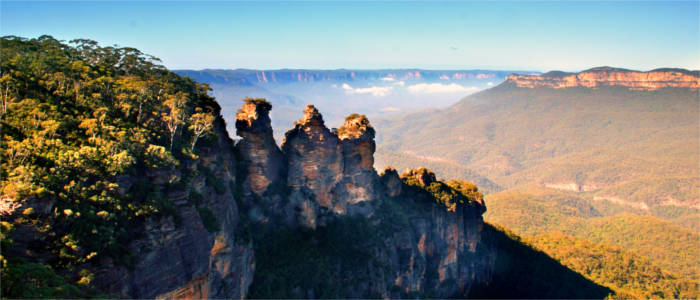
606	76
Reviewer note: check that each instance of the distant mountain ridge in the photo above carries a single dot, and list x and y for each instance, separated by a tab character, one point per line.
251	76
609	76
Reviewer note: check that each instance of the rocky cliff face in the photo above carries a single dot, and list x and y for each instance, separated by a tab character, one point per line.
258	151
227	199
187	258
605	76
192	253
423	249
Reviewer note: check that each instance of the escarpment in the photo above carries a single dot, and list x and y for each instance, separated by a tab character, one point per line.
413	244
605	76
309	219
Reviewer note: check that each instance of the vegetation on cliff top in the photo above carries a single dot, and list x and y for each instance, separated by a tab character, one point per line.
451	194
77	120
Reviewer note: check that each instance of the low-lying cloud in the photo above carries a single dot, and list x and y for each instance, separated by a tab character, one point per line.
377	91
431	88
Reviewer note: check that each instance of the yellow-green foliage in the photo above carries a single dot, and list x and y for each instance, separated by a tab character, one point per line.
625	272
458	193
74	118
532	210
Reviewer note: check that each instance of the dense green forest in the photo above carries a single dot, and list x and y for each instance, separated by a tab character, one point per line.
74	119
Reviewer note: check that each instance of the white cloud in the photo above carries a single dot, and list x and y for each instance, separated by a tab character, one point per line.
390	109
400	83
490	83
377	91
388	79
430	88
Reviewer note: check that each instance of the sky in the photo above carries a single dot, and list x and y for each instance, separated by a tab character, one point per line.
500	35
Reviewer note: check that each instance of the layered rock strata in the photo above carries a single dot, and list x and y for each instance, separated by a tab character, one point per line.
605	76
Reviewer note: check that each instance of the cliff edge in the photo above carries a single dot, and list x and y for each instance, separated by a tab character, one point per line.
607	76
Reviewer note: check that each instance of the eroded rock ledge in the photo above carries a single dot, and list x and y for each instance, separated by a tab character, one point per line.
606	76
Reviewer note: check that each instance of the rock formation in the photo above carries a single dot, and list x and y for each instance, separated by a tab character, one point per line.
258	151
207	249
606	76
330	174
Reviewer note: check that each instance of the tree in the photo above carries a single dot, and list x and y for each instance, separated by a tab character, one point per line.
175	115
202	123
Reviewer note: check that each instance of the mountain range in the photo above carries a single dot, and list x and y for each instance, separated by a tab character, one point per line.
119	179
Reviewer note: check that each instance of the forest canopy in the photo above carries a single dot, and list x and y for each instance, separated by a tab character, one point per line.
77	118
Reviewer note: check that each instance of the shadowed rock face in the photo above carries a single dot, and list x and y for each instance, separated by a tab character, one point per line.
260	155
315	163
605	76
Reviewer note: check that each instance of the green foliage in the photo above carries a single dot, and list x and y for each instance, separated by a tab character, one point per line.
458	193
531	210
35	280
625	272
159	157
74	118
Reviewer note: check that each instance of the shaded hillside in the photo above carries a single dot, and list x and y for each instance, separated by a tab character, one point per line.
524	272
635	148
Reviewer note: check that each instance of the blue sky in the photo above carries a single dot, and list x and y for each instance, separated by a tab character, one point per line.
523	35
